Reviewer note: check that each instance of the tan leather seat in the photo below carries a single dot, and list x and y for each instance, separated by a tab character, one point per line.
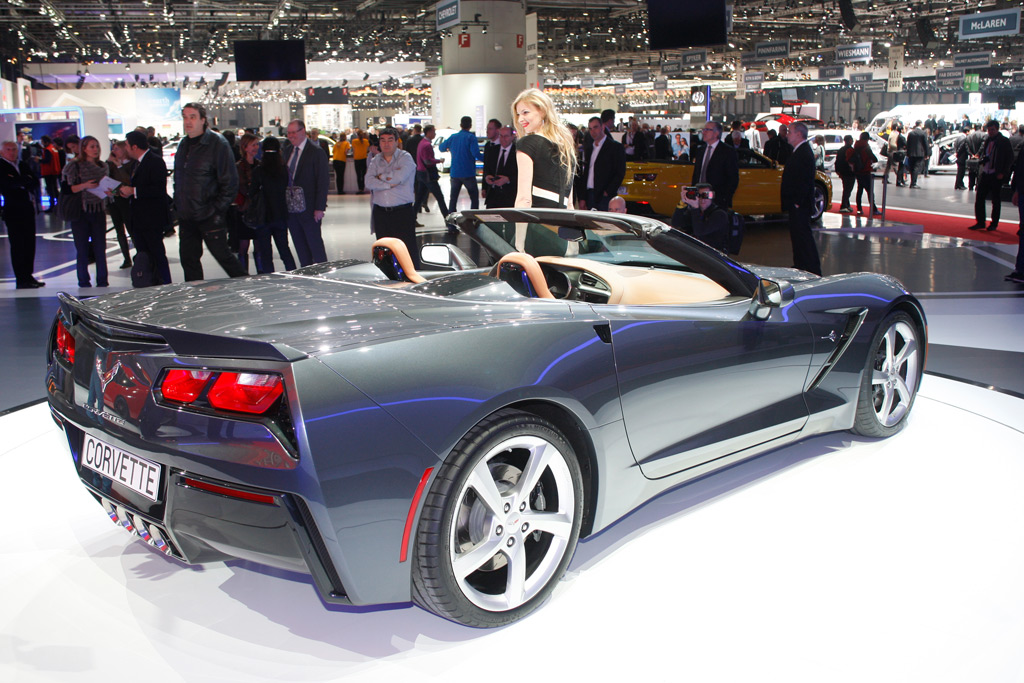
524	274
392	257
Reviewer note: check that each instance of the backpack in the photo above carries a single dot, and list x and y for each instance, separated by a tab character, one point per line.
842	163
734	239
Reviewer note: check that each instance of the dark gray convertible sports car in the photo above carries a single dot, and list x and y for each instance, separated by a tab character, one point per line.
447	437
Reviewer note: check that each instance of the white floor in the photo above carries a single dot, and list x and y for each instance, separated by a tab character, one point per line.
838	559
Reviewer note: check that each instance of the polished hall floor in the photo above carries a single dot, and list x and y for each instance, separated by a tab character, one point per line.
836	559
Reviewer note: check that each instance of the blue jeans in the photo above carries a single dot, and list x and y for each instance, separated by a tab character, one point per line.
90	232
471	188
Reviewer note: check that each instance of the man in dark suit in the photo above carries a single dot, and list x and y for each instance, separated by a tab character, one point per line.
1017	183
501	173
308	169
918	149
635	142
19	212
717	165
147	195
797	194
996	162
604	167
662	145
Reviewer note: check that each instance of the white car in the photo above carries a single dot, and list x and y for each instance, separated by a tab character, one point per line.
834	142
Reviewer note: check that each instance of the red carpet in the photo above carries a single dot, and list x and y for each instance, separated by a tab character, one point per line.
956	226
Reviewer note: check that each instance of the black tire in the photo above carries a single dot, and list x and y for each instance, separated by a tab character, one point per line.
891	378
465	551
820	197
121	407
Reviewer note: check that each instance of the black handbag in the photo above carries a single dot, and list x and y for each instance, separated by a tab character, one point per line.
255	213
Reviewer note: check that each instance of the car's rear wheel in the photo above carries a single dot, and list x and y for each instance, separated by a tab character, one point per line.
820	199
500	523
891	378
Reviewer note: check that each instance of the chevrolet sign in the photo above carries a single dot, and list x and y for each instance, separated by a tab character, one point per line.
447	14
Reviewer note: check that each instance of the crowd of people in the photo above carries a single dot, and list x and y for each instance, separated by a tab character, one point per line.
233	194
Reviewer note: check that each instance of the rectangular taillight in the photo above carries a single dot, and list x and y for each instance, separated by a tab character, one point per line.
240	392
65	343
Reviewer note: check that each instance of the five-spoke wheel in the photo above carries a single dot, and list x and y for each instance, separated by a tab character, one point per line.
891	377
500	523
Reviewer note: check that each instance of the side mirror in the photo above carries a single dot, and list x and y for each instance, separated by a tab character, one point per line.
769	295
445	257
436	255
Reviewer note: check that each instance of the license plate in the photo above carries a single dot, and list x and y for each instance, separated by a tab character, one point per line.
138	474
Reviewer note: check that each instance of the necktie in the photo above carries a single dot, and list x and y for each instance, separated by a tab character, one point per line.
501	161
292	163
704	165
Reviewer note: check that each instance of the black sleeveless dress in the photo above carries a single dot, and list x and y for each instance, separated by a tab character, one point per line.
549	176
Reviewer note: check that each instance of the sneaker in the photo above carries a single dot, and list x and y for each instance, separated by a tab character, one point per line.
846	209
1015	276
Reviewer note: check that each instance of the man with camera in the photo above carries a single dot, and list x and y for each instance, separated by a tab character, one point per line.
702	217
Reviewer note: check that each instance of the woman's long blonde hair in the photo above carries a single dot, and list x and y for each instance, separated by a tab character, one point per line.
551	128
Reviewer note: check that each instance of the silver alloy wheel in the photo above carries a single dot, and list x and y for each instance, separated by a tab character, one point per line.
896	373
818	207
513	523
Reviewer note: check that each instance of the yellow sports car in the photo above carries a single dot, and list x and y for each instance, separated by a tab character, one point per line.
654	186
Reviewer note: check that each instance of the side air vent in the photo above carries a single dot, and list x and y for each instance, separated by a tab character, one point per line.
853	322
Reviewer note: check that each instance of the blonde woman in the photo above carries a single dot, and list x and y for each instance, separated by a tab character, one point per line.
545	153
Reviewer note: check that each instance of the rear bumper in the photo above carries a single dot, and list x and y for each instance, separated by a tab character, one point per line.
199	519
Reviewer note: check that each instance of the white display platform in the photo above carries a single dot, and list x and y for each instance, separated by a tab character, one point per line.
837	559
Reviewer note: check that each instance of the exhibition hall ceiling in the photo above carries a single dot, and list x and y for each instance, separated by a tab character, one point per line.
599	38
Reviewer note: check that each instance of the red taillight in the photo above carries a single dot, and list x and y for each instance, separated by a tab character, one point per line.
240	392
184	386
65	342
245	392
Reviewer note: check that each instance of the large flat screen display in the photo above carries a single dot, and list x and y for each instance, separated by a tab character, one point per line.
270	60
685	23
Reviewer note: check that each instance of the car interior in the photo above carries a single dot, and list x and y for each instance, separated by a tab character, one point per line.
600	263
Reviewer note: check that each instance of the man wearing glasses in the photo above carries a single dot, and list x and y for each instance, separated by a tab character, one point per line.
718	166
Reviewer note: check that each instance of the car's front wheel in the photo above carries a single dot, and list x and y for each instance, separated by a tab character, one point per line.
500	523
891	377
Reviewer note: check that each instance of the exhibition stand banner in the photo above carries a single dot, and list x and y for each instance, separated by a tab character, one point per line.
977	60
858	52
988	24
836	72
156	105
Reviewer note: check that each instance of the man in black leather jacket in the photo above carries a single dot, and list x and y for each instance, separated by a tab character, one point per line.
205	184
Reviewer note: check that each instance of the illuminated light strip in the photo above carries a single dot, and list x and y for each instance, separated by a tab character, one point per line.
404	555
231	493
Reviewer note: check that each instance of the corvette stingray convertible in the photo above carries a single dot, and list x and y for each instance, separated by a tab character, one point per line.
447	435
